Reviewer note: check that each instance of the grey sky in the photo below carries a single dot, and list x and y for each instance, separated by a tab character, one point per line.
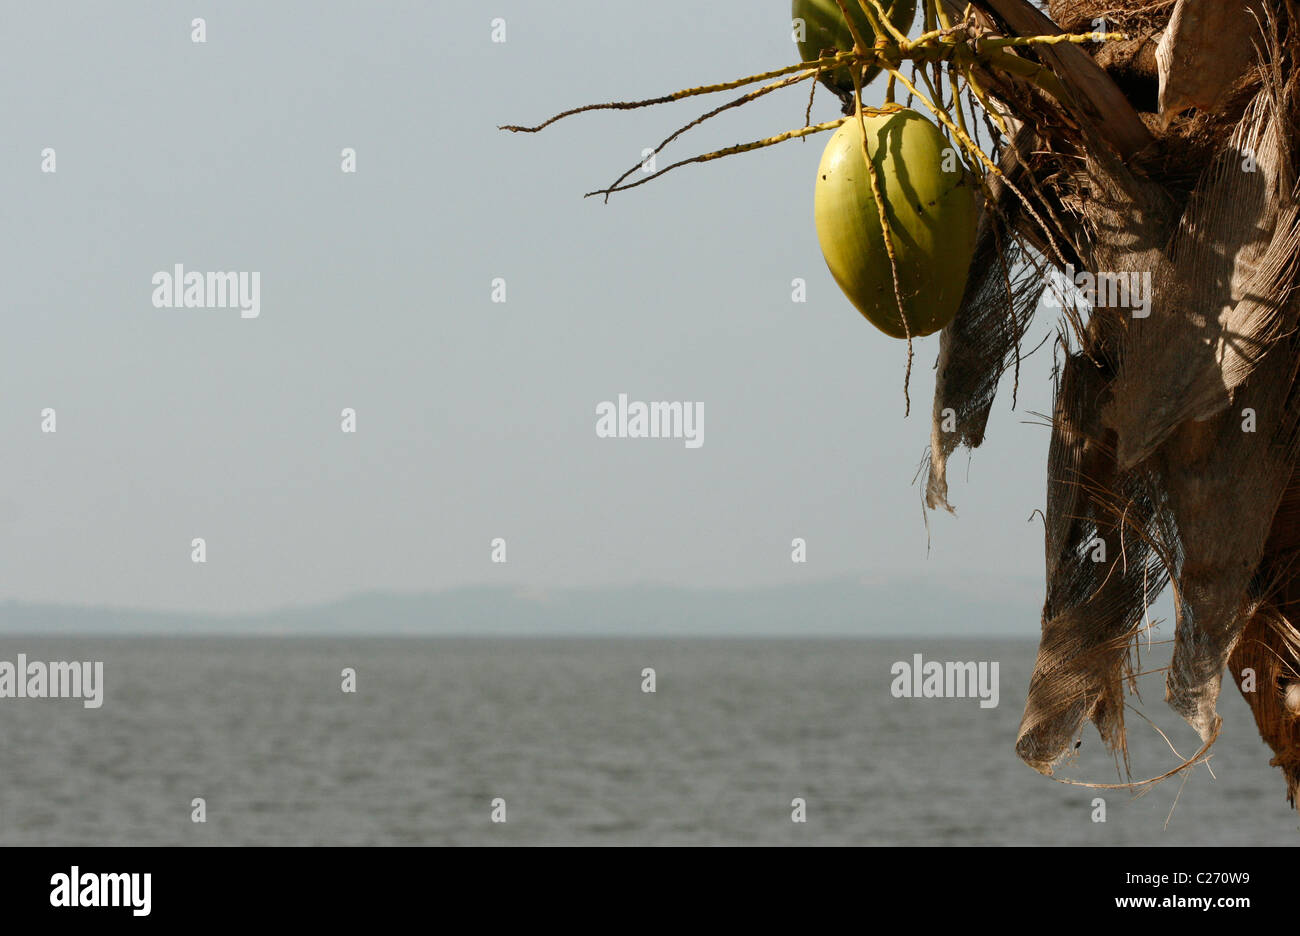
476	420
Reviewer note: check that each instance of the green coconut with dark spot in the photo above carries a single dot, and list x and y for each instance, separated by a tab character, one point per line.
932	208
824	28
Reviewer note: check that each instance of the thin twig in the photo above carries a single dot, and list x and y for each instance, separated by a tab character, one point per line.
729	151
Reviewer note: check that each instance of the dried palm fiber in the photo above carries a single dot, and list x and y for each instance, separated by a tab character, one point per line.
1188	143
1008	274
1266	660
982	342
1224	486
1107	558
1132	64
1115	204
1095	102
1268	644
1207	46
1110	546
1220	293
1090	619
1126	16
1270	649
1209	488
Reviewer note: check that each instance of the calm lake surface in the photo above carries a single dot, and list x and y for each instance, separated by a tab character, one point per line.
563	733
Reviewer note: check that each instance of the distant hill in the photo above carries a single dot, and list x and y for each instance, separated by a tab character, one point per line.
836	608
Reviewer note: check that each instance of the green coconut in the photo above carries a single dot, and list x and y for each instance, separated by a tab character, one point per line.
824	28
930	201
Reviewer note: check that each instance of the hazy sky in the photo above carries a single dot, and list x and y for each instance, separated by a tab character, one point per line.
475	420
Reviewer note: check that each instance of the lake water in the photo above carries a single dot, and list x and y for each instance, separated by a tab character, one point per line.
562	732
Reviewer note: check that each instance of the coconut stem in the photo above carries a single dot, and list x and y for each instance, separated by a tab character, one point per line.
738	102
738	148
812	93
945	44
840	58
878	195
860	46
884	20
968	145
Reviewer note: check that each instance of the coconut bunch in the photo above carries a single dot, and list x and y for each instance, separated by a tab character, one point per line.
1154	140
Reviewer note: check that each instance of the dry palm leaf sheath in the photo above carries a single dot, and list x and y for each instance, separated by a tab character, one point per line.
1143	151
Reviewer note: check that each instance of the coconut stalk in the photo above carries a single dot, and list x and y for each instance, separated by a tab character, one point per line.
1155	139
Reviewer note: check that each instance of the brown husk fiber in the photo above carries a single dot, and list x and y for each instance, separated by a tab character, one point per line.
1174	437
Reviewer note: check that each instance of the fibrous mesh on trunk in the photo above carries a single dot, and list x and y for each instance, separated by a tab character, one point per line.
1174	431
